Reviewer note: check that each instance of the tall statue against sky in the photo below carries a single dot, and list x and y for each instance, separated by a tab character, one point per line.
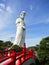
20	33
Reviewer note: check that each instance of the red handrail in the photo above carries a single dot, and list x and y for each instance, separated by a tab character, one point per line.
18	58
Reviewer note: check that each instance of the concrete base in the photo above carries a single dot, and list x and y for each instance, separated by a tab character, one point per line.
30	61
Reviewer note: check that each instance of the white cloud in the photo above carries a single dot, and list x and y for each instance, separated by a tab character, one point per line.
1	10
5	0
39	21
8	9
31	7
2	24
47	20
7	36
44	20
2	5
33	41
5	20
5	14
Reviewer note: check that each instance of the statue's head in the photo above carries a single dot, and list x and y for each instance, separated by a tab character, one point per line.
22	14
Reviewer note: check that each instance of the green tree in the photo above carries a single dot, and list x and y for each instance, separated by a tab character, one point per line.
1	42
7	43
33	48
43	51
16	48
4	45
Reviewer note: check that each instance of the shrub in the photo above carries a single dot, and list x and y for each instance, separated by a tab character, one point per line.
16	48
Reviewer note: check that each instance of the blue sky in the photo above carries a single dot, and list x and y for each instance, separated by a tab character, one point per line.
36	20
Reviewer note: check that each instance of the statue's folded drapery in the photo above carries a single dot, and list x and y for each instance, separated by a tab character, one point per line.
20	33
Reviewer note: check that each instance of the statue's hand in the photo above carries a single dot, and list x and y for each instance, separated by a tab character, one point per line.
23	28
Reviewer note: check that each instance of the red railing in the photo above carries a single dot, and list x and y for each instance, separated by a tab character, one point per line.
17	58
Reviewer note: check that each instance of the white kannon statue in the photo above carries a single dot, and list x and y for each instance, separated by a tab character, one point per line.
20	33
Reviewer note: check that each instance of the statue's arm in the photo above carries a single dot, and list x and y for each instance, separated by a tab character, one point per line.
23	27
17	21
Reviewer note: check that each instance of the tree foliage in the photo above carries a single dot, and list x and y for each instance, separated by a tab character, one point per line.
43	51
7	44
16	48
32	47
4	45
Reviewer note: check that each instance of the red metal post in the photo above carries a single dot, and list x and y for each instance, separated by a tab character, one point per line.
18	61
24	52
14	57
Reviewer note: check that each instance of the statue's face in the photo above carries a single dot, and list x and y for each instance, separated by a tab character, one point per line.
22	15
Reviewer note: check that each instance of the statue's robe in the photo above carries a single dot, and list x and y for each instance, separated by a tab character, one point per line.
20	33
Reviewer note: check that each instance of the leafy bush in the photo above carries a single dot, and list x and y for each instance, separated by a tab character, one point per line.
43	51
4	45
32	64
16	48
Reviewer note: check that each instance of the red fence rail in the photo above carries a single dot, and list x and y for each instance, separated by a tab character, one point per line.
17	58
